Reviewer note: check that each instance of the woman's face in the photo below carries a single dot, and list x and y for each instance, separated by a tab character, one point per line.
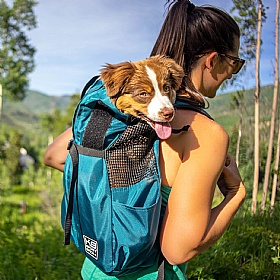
224	65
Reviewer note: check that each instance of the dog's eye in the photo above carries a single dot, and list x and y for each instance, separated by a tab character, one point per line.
144	94
142	97
166	88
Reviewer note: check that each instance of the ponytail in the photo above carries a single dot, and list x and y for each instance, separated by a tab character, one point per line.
189	31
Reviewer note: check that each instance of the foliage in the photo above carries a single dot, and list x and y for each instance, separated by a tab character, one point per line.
31	238
52	122
55	123
247	18
248	250
245	13
237	101
33	139
15	48
10	143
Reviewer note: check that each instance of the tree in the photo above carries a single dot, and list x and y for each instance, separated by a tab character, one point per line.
237	103
276	170
246	18
16	52
251	12
245	14
257	112
273	112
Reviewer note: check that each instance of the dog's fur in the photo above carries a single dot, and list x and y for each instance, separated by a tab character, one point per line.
145	89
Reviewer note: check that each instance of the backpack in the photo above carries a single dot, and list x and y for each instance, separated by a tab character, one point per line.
111	203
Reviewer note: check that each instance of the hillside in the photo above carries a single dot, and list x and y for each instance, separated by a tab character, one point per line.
227	117
25	114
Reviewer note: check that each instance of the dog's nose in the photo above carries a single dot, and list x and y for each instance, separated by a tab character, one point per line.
167	113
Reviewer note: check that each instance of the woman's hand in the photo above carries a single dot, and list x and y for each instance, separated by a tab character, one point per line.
230	181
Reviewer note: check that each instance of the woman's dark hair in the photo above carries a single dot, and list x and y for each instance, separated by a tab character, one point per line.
189	31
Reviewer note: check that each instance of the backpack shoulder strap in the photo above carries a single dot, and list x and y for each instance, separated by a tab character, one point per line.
185	105
88	84
179	104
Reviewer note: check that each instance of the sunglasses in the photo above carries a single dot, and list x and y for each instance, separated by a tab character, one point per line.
237	61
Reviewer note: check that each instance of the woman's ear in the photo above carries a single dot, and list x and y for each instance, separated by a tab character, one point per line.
211	61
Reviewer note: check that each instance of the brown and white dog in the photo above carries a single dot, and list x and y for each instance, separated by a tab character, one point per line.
145	89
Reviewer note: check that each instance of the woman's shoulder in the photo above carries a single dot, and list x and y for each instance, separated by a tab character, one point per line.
203	132
203	124
198	122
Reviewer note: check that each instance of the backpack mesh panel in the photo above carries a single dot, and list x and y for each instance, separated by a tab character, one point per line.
131	158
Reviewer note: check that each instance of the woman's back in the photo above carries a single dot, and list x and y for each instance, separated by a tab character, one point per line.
180	147
191	163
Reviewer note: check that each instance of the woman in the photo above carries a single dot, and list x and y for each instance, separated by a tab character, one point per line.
205	42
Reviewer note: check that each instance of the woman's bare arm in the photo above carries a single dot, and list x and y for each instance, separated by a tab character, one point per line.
57	152
190	225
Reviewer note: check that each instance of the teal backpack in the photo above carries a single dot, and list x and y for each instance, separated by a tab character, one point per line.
111	204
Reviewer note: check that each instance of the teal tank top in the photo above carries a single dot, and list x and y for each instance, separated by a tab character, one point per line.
175	272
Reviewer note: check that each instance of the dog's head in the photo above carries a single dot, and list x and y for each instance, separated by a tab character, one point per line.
145	89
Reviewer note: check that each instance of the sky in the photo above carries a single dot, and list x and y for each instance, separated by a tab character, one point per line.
75	38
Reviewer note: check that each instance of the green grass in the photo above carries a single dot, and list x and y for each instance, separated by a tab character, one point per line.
31	243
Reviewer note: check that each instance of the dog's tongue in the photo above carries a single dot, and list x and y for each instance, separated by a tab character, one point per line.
163	129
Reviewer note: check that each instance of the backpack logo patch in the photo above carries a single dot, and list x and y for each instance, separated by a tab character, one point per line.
91	247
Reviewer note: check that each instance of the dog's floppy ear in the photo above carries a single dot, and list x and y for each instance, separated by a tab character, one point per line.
176	71
115	76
